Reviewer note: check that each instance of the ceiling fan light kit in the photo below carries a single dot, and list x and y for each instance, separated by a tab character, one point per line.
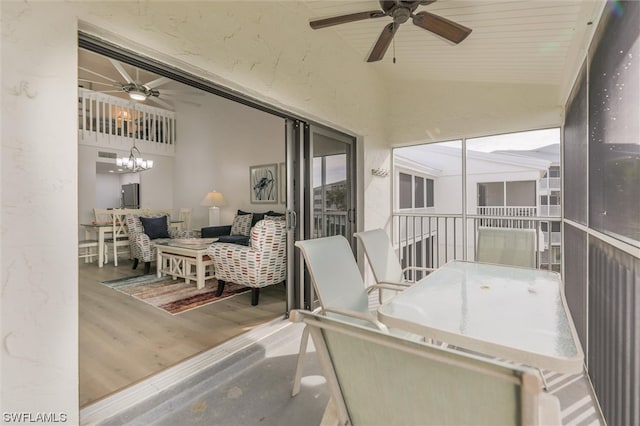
139	92
400	12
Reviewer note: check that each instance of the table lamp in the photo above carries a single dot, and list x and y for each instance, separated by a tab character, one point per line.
213	200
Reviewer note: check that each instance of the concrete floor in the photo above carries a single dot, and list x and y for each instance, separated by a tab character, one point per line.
250	387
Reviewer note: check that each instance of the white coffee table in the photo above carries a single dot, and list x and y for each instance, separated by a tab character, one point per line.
185	258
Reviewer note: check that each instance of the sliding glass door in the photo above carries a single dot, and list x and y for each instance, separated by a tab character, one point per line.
320	195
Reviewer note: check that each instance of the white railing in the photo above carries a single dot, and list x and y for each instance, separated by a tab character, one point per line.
431	240
550	210
549	183
329	223
509	211
102	115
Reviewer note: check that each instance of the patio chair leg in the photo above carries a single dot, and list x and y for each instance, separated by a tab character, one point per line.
220	288
135	263
303	350
147	267
255	294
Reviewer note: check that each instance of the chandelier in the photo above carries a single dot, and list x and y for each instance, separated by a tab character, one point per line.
135	162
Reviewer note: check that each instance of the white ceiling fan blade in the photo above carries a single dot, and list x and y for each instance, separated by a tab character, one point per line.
118	66
180	92
98	74
157	82
160	102
101	83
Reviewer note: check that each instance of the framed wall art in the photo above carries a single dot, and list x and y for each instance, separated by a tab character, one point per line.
263	183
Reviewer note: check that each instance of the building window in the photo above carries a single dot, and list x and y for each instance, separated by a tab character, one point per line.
555	226
430	193
404	189
414	191
419	191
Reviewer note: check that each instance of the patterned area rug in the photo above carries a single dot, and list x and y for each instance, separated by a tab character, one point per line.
173	296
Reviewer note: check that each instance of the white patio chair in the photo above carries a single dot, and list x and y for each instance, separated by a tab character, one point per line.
378	378
339	286
507	246
384	262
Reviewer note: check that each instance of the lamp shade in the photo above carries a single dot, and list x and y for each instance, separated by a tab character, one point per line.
213	198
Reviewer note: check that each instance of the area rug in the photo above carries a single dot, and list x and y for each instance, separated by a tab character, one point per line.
173	296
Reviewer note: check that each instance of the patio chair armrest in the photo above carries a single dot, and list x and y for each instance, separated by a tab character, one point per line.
417	269
549	410
389	285
359	315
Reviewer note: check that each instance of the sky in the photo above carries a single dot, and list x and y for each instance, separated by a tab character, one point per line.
522	141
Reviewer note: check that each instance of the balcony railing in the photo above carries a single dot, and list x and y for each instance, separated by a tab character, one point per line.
549	183
431	240
329	223
550	210
109	117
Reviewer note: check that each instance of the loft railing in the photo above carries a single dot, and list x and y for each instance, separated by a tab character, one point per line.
102	115
431	239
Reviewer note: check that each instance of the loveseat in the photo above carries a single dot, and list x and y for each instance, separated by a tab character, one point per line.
143	236
239	231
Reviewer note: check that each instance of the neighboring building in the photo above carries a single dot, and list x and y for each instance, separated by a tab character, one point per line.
500	184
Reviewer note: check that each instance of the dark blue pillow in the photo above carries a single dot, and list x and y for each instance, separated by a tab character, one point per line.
155	227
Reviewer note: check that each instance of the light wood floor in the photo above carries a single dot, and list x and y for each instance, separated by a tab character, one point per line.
123	340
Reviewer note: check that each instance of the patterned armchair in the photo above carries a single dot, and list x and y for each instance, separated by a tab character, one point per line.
260	264
142	246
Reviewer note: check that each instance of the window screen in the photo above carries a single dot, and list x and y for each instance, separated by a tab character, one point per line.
576	153
419	191
614	129
521	193
404	189
430	194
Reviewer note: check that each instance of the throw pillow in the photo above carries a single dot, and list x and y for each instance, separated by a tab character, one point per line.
275	218
155	227
241	224
257	217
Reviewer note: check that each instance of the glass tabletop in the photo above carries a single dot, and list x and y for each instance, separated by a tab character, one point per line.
499	310
189	243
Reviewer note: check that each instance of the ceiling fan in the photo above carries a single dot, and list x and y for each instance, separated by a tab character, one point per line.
400	11
136	90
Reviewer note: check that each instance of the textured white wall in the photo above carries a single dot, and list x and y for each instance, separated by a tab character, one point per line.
217	143
38	304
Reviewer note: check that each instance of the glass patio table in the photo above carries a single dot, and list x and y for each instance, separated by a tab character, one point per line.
518	314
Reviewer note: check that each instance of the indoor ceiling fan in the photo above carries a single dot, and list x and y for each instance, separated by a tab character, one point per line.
400	12
134	88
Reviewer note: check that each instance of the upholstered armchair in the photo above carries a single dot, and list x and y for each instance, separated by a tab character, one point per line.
260	264
142	241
